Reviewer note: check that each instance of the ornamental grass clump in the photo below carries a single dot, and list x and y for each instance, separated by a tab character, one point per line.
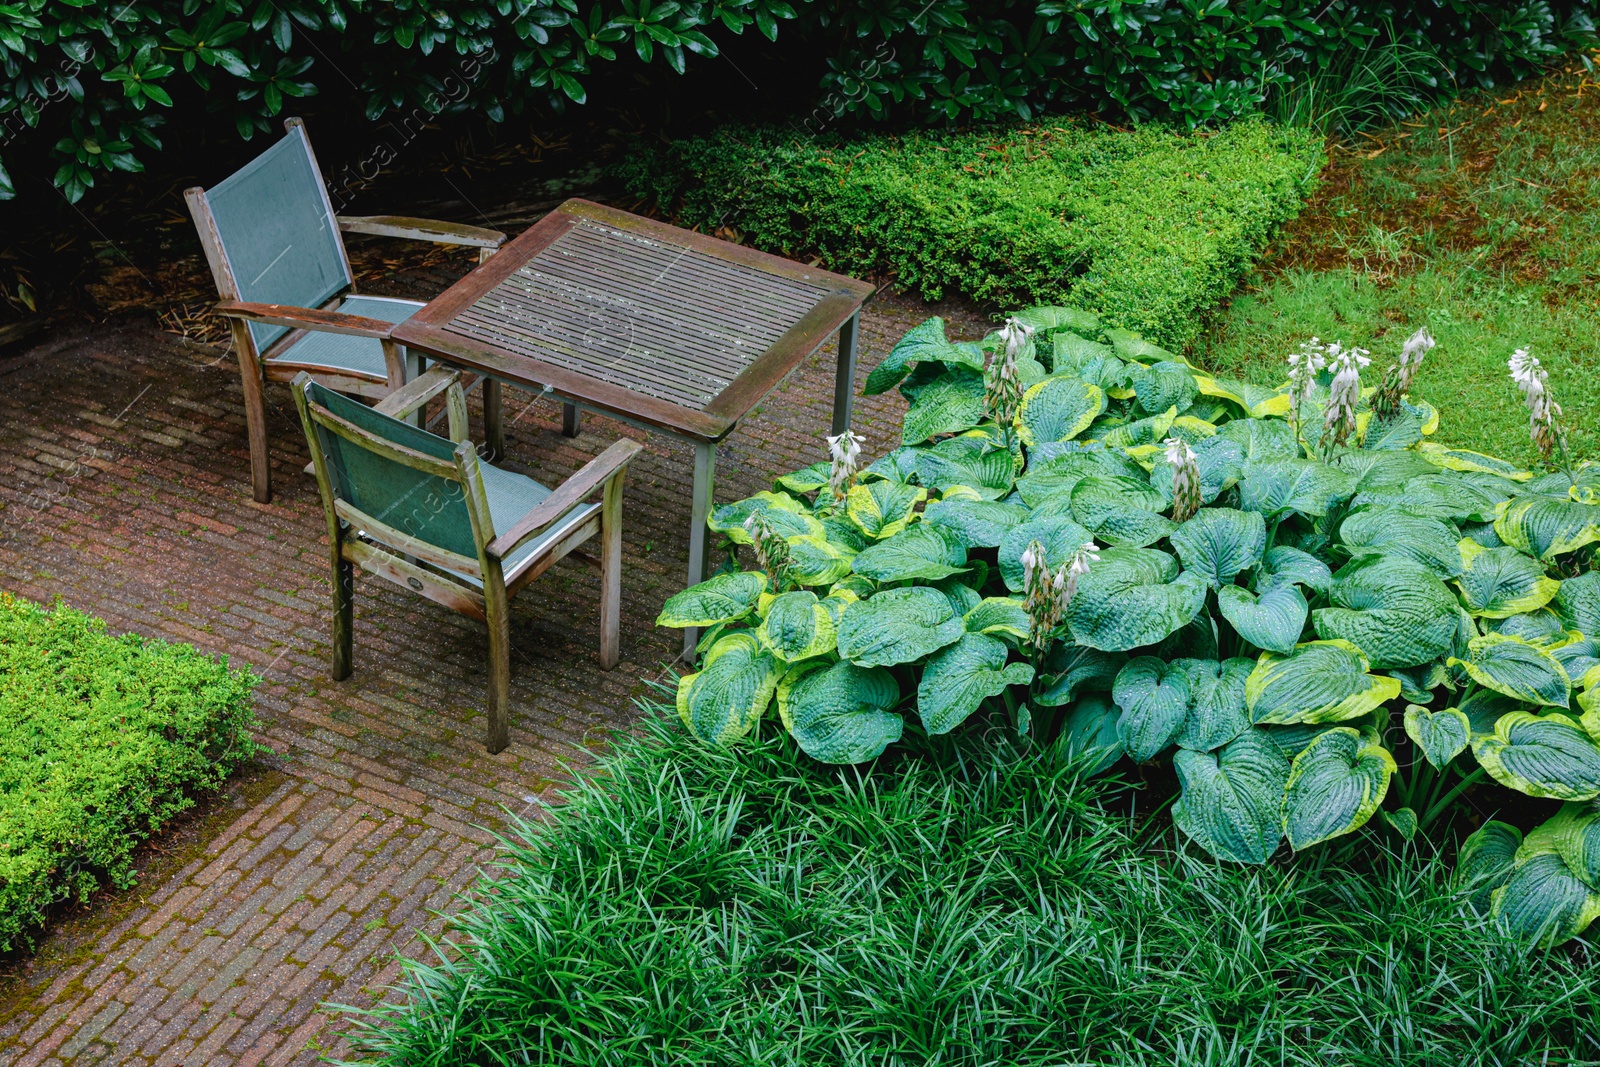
1319	618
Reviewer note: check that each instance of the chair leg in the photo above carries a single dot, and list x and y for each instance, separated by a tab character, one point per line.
344	605
497	612
611	570
255	412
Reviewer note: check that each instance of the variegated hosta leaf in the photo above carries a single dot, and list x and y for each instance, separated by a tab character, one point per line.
1396	611
839	712
1499	582
1058	409
1232	798
1262	439
1146	431
798	626
898	626
1374	470
963	598
1447	495
1278	486
1133	597
1577	654
1164	385
1218	543
951	403
970	461
722	701
1395	531
1518	669
997	615
1071	669
1221	462
1130	344
1153	697
719	599
1574	834
1284	564
1543	901
919	551
1216	712
1048	318
1462	459
1485	860
1578	603
819	560
1089	733
841	531
1319	682
807	480
1485	707
1060	537
1334	787
1257	400
883	509
1401	429
959	678
788	516
1418	683
1072	351
1121	511
1547	528
1273	621
1542	755
1441	735
1540	627
924	343
975	523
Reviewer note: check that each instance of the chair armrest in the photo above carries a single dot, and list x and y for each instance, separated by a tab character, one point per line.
443	233
568	495
418	391
298	318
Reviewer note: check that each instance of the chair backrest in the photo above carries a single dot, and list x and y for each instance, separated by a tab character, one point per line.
431	507
278	235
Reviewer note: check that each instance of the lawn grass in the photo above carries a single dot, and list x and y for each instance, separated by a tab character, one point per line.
1480	220
698	906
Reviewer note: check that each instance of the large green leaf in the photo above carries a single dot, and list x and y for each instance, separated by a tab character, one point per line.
722	701
1284	564
839	712
1462	459
1261	439
1071	669
806	480
997	615
1574	834
1117	433
1060	537
1394	610
719	599
1277	486
788	517
1220	460
920	551
819	560
1121	511
959	678
1058	409
1218	543
1374	470
1153	697
1484	707
1547	528
798	626
1216	712
1089	733
1050	317
1319	682
1133	597
1397	531
1273	621
924	343
1441	735
1578	603
975	523
1232	798
1129	344
883	509
898	626
1448	495
1499	582
1485	860
1518	669
1162	386
1542	755
1543	901
968	460
1334	786
951	403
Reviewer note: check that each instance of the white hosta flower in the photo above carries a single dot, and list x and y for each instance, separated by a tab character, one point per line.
1339	420
1002	386
772	551
1543	411
1014	334
1049	592
844	452
1185	478
1305	363
1397	381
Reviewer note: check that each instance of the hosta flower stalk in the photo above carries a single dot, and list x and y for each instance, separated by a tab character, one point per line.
1344	393
844	452
1397	380
1543	411
1185	479
1002	387
1049	592
1305	363
772	551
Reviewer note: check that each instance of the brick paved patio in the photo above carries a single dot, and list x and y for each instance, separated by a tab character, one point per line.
124	491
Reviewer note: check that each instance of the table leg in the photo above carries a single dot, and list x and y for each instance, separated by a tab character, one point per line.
494	425
571	420
705	462
414	368
844	384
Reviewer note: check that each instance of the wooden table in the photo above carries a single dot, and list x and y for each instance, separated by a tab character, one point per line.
657	326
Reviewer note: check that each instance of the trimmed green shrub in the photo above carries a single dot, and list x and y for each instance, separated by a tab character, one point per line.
102	740
1147	227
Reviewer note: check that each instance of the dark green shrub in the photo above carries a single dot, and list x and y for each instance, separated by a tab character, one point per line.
102	740
1145	226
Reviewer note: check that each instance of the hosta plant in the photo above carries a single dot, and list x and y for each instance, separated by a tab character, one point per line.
1315	614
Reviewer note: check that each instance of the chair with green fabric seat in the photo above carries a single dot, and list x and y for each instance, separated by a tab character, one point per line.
425	513
279	262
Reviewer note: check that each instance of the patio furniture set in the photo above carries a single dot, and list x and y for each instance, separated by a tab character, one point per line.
664	329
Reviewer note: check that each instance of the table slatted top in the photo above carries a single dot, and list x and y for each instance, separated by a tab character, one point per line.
668	322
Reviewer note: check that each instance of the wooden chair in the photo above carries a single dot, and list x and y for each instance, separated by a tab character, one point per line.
425	513
279	262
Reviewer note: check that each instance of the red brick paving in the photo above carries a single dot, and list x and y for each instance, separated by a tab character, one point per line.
124	491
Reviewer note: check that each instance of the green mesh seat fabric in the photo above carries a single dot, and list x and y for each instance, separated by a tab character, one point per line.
426	507
338	351
274	220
